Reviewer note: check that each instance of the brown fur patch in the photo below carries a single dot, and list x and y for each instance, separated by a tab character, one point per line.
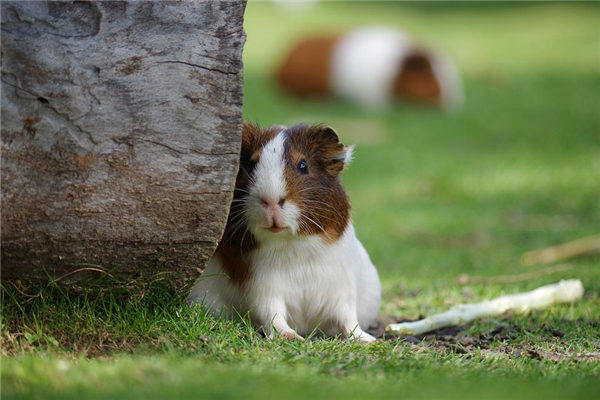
254	139
324	205
233	254
237	241
416	80
306	70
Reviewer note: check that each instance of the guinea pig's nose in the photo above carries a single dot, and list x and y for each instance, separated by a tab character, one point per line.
265	202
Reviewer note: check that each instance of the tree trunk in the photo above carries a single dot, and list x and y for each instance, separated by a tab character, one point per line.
121	128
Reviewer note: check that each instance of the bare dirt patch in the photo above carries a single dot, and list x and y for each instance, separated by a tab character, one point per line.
506	340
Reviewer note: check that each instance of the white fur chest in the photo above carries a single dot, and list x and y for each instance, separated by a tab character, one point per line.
312	280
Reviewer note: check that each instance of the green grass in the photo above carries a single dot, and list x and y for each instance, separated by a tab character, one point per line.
434	196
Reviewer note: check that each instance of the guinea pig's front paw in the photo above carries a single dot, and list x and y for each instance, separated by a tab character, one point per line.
365	338
291	335
288	334
362	336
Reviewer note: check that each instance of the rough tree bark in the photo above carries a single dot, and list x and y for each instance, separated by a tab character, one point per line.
121	127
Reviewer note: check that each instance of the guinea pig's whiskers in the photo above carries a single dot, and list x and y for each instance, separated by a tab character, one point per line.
306	189
246	172
314	222
327	206
237	209
307	227
319	188
242	201
242	241
238	220
330	219
239	229
237	203
304	225
239	189
329	209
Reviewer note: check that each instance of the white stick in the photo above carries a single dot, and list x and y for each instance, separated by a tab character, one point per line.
565	291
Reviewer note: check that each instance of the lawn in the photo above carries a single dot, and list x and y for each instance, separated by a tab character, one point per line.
434	195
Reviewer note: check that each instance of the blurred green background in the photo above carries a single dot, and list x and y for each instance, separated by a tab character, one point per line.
435	195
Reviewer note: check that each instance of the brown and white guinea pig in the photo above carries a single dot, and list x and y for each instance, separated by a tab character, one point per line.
371	66
289	255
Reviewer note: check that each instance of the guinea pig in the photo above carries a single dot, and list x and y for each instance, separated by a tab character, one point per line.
371	66
289	256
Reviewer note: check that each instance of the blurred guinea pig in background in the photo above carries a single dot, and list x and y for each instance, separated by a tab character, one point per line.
372	67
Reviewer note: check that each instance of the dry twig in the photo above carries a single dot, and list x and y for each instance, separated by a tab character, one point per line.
79	270
577	247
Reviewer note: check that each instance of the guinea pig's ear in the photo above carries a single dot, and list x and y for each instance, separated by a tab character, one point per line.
337	155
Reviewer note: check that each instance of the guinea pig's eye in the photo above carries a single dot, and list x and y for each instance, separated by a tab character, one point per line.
303	167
